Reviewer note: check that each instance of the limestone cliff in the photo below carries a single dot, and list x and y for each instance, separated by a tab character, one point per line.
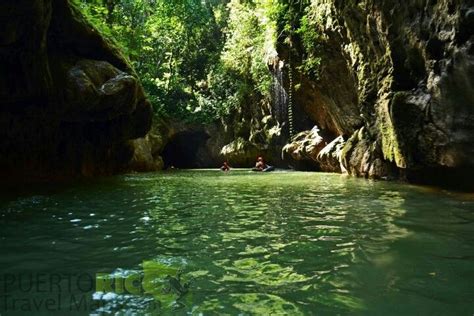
239	138
69	101
397	82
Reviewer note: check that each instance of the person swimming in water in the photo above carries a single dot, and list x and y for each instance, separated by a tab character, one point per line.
260	165
225	166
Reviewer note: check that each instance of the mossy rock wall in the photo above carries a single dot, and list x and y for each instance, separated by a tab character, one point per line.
404	72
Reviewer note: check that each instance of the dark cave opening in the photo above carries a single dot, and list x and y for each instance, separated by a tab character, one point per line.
186	150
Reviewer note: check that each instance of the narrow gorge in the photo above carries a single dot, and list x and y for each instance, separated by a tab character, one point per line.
372	88
236	157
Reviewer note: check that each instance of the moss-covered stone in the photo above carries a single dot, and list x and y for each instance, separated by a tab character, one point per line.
390	144
404	71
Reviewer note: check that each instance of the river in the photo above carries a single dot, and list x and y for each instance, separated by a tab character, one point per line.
206	242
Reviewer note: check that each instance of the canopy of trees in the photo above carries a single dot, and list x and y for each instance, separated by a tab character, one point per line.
199	59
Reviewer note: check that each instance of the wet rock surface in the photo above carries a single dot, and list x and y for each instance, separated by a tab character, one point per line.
302	152
251	131
397	81
330	157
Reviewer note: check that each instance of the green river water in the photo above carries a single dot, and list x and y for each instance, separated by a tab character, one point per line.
281	243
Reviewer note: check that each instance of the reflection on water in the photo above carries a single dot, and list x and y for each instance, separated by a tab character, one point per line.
208	242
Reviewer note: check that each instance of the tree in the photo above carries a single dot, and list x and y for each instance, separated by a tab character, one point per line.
199	59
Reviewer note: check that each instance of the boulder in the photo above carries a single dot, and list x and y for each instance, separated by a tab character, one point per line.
302	152
329	157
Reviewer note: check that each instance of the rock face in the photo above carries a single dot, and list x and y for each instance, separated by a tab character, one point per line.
397	81
310	151
302	152
69	102
330	157
148	149
249	132
252	132
188	146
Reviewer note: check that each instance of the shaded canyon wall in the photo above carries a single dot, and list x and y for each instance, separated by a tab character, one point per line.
397	84
69	102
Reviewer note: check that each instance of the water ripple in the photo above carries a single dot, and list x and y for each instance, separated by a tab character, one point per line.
282	243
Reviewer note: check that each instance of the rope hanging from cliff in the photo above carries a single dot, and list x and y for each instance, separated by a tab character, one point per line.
290	98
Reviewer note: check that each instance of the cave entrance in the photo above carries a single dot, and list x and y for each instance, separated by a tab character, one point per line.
185	150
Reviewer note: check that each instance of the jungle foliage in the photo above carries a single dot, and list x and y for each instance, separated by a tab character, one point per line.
200	59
